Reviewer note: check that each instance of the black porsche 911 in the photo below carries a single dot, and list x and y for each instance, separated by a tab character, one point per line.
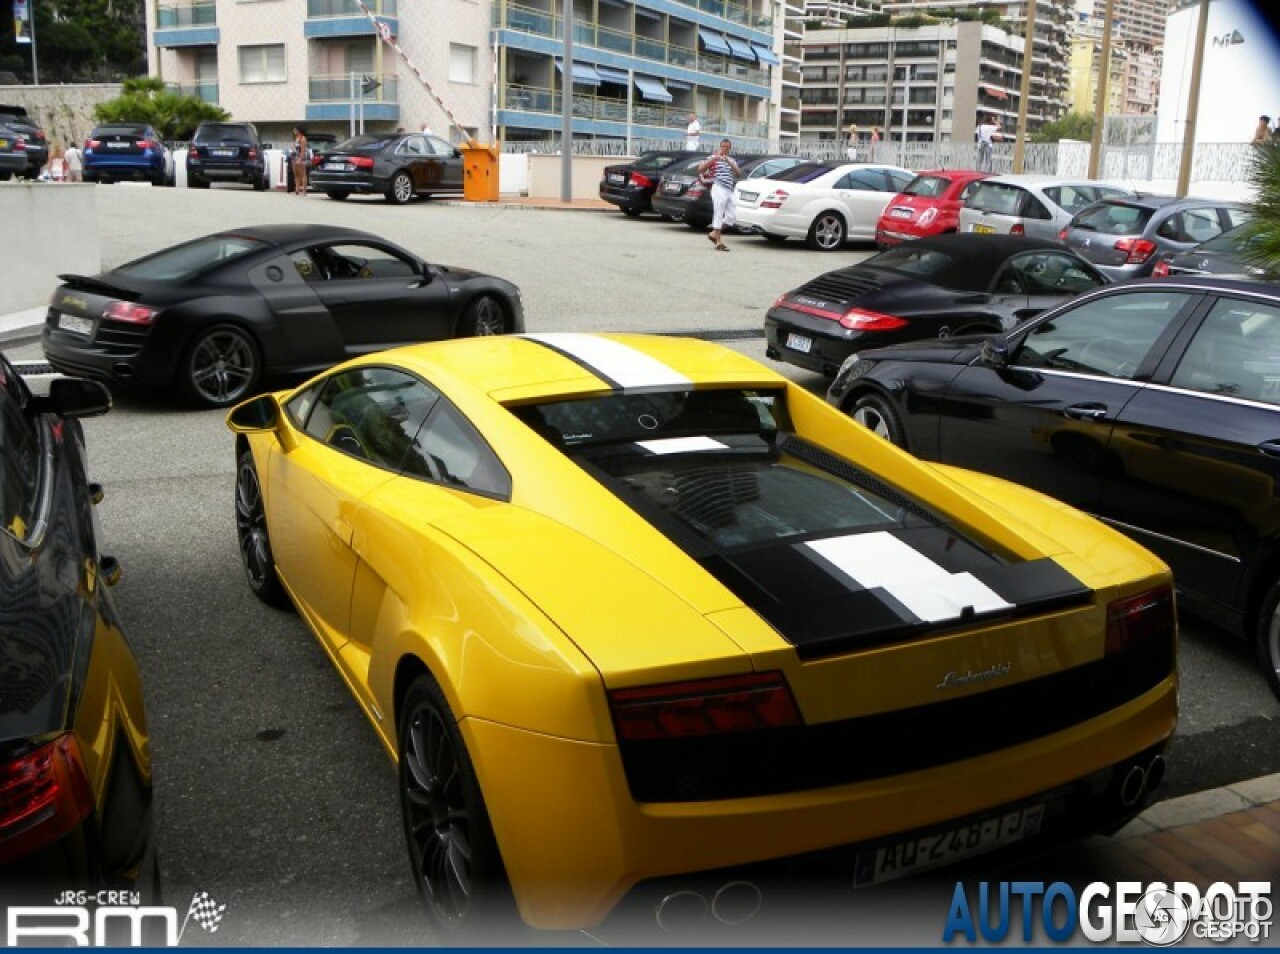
219	315
931	288
397	166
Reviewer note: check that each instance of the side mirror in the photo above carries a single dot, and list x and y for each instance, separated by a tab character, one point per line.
995	352
76	397
257	414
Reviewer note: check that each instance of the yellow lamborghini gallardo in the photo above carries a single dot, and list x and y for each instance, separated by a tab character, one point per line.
623	608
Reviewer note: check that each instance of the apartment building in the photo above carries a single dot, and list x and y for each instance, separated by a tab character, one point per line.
639	67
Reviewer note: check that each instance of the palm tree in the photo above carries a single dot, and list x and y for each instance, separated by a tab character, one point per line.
1264	250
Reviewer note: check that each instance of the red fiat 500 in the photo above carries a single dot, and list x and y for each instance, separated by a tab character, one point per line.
930	205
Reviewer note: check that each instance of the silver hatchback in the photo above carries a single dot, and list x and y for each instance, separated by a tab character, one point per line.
1038	206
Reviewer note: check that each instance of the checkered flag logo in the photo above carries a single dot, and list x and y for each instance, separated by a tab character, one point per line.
206	911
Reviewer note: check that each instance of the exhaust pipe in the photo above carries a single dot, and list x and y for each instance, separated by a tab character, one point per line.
736	903
680	911
122	370
1133	786
1155	772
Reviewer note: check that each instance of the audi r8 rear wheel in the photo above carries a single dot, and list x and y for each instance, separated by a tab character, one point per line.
484	316
452	849
877	415
1268	638
220	367
827	232
251	531
400	190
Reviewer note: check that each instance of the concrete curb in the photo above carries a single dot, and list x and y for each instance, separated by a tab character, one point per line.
22	325
1201	806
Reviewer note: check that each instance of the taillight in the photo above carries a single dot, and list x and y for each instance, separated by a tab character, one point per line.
1139	619
1161	269
696	191
1136	251
43	795
775	199
253	153
1018	229
195	152
927	216
146	144
362	162
641	181
1062	235
130	312
704	707
20	145
92	143
859	319
316	160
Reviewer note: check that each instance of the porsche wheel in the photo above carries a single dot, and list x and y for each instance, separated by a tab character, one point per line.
1268	638
400	190
827	232
251	532
484	316
877	415
220	367
452	849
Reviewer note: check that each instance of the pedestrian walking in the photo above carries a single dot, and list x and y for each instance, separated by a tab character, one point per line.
875	134
852	151
74	160
301	160
987	133
693	133
724	172
1263	131
426	129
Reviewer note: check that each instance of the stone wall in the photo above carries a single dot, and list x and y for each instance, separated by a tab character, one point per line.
64	112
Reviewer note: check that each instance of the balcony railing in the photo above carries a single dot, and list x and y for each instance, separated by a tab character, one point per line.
540	23
206	91
530	99
336	88
349	8
169	16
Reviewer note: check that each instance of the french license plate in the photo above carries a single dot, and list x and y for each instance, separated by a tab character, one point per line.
672	187
615	178
799	343
902	858
900	213
75	324
985	229
222	153
334	167
117	145
748	196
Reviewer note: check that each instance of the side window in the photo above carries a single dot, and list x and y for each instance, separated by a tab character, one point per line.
1231	353
299	406
414	146
1108	336
1035	209
19	459
869	180
898	180
438	147
1236	217
1201	225
354	260
1052	273
1171	228
371	413
845	182
448	450
969	189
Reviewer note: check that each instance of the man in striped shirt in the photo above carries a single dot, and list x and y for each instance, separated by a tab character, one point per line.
724	172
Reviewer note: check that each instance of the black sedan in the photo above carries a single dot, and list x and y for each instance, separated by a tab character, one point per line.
930	288
218	315
75	762
397	166
630	185
1154	405
682	198
1230	255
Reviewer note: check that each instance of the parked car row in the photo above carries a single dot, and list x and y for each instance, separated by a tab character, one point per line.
27	138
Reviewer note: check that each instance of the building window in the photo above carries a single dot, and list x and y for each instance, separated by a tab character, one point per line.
462	63
263	64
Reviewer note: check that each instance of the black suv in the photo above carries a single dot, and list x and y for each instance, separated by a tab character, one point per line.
226	152
30	135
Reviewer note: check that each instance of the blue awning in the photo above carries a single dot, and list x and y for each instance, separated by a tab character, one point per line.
583	75
676	84
740	49
650	88
712	40
765	55
610	75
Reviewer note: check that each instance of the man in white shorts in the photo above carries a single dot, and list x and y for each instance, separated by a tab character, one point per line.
725	173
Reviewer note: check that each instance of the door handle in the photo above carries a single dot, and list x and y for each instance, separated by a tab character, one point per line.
1270	448
1085	412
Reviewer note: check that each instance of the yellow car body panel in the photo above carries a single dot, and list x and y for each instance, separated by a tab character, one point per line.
528	611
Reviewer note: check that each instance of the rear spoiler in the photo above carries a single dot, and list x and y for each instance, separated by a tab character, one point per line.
92	283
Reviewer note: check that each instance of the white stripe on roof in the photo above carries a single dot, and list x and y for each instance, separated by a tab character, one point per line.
620	363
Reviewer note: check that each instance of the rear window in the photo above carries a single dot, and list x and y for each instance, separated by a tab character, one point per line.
804	172
119	130
998	197
927	263
655	161
187	261
930	187
1114	218
363	144
219	132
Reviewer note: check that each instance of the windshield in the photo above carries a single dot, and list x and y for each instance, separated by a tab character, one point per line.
186	261
929	187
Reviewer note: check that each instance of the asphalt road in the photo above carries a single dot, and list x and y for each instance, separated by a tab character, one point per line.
273	794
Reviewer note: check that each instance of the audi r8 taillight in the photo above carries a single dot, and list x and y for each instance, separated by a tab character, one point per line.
1139	619
43	795
702	707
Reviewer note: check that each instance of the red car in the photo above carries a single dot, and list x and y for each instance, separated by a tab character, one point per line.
929	205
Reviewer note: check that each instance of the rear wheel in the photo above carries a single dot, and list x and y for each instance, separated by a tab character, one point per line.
260	184
877	415
197	183
220	367
1268	638
400	190
337	194
251	531
484	316
827	232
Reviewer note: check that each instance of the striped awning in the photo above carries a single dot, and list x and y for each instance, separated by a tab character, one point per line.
583	74
740	49
712	40
651	88
611	75
765	55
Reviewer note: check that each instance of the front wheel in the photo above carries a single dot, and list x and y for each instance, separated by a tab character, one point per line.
251	532
337	195
452	849
877	415
260	184
1268	638
484	316
630	213
400	190
827	233
220	367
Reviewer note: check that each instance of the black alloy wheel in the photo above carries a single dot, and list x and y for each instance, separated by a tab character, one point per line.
400	190
220	367
827	233
484	316
1268	638
452	849
877	415
251	532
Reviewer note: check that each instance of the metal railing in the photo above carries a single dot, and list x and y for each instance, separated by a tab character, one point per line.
349	8
170	15
205	91
336	88
532	99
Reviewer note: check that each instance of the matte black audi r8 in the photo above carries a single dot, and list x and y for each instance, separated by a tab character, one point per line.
218	315
931	288
1154	405
75	760
397	166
